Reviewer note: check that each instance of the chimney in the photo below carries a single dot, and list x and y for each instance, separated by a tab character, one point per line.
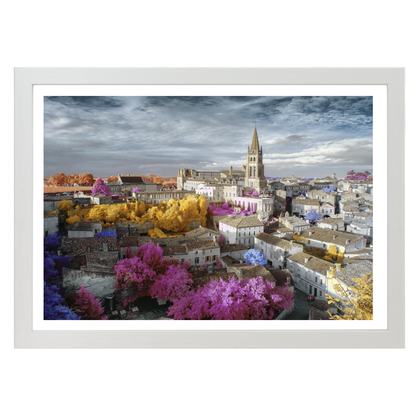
338	266
310	232
306	259
334	237
347	241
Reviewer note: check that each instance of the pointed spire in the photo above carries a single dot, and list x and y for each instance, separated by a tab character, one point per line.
255	142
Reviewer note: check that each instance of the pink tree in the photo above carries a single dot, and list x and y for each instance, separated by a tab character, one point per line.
100	188
149	273
253	298
88	306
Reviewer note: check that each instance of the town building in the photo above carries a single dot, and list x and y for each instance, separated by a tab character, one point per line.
189	174
295	224
309	273
201	233
331	241
336	224
83	229
211	192
301	206
240	229
275	249
235	251
262	206
157	197
125	185
197	253
50	224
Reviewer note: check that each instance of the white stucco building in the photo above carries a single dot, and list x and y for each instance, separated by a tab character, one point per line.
275	249
240	229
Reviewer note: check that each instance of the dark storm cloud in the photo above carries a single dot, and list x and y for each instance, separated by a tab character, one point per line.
110	135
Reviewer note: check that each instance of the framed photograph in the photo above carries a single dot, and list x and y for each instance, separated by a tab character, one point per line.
254	186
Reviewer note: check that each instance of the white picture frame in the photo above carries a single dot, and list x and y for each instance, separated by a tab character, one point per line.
26	337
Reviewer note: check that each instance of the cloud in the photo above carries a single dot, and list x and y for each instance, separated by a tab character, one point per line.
106	135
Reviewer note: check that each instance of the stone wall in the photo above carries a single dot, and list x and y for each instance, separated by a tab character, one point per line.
98	283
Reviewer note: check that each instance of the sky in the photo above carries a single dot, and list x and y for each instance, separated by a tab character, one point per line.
307	136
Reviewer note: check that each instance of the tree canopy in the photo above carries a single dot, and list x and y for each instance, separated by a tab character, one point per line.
100	188
253	298
254	256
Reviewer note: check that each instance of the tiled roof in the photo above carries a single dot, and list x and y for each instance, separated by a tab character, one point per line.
330	236
313	262
233	247
174	250
201	244
305	202
248	271
331	221
78	246
240	221
129	241
276	241
131	179
282	277
200	231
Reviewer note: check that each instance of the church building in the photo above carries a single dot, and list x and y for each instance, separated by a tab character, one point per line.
255	178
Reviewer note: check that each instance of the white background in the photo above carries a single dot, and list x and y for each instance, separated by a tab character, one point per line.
198	34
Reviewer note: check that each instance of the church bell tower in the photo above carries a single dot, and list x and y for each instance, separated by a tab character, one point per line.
254	165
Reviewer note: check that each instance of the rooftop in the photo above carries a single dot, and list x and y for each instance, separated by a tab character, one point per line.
276	241
78	246
330	236
314	263
197	232
306	201
331	221
240	221
282	277
233	247
130	179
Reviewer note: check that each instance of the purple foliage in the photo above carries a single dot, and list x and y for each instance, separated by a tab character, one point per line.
53	305
253	256
137	190
330	189
100	188
52	241
109	233
49	269
253	298
312	216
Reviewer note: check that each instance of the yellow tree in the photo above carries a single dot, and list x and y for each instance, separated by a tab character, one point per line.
65	205
73	219
359	295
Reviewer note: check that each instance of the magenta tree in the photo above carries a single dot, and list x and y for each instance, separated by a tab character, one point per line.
149	273
253	298
87	306
100	188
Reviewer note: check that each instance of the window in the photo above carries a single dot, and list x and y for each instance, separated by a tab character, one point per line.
196	260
